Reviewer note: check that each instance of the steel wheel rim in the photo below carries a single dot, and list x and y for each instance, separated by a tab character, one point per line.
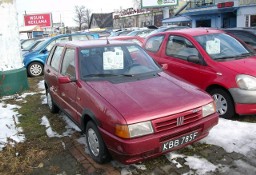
221	103
49	100
36	69
93	142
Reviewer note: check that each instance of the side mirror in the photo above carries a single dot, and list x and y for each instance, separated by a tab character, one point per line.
44	51
164	66
193	59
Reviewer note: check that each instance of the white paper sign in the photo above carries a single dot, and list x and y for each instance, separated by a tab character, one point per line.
213	46
113	60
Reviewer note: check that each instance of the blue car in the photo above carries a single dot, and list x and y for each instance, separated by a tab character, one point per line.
35	59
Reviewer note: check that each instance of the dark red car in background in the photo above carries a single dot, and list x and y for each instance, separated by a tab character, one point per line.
212	60
121	99
136	39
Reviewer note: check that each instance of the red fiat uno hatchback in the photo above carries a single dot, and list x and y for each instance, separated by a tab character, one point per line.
121	99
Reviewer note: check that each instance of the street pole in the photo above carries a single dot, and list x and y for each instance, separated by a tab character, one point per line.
13	76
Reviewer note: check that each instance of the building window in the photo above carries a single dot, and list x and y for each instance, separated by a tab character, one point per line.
253	21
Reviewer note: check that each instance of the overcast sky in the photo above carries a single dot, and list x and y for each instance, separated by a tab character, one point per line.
63	10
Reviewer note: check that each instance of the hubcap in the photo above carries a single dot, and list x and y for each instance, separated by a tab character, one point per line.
93	142
49	100
221	103
36	69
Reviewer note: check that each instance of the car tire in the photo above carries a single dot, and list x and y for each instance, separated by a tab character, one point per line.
95	144
35	69
52	106
224	103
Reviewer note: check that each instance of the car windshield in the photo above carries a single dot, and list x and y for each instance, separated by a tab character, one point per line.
221	46
33	45
112	61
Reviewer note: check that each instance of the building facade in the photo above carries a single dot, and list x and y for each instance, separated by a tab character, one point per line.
129	18
217	14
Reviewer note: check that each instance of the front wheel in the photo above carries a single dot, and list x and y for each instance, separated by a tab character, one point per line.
224	103
95	143
35	69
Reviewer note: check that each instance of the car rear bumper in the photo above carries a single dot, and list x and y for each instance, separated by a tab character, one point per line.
130	151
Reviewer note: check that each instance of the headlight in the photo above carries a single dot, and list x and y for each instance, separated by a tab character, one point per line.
134	130
246	82
208	109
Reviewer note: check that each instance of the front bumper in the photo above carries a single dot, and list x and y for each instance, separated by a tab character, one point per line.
130	151
245	100
243	96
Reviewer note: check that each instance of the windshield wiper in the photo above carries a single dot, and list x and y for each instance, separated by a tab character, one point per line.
108	75
245	54
223	58
100	75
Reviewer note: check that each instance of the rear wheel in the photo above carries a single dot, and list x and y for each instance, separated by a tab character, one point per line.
224	103
35	69
95	143
53	108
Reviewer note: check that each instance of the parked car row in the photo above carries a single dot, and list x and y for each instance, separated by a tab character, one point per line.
34	59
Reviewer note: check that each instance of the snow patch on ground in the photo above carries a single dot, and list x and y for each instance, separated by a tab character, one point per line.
233	136
10	132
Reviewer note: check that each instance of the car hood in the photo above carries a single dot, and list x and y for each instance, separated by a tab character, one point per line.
29	54
151	98
242	66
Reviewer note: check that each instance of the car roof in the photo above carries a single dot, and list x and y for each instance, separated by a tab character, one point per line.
195	31
93	43
242	29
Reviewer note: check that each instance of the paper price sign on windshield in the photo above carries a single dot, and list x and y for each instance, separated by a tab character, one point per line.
113	60
213	46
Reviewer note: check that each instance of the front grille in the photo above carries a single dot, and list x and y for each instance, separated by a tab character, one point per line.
172	121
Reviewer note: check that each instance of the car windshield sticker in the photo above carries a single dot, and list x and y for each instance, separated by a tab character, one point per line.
213	46
113	60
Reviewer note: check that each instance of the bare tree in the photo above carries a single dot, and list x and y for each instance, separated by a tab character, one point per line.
137	4
82	16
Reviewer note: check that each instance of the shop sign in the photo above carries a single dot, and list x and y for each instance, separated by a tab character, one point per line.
42	20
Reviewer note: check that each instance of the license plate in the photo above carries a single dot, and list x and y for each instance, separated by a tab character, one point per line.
179	141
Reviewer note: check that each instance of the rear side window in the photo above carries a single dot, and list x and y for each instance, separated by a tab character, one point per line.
55	61
68	64
153	44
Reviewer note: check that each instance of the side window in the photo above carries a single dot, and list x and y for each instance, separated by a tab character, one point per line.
49	59
79	37
153	44
180	47
68	64
55	62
